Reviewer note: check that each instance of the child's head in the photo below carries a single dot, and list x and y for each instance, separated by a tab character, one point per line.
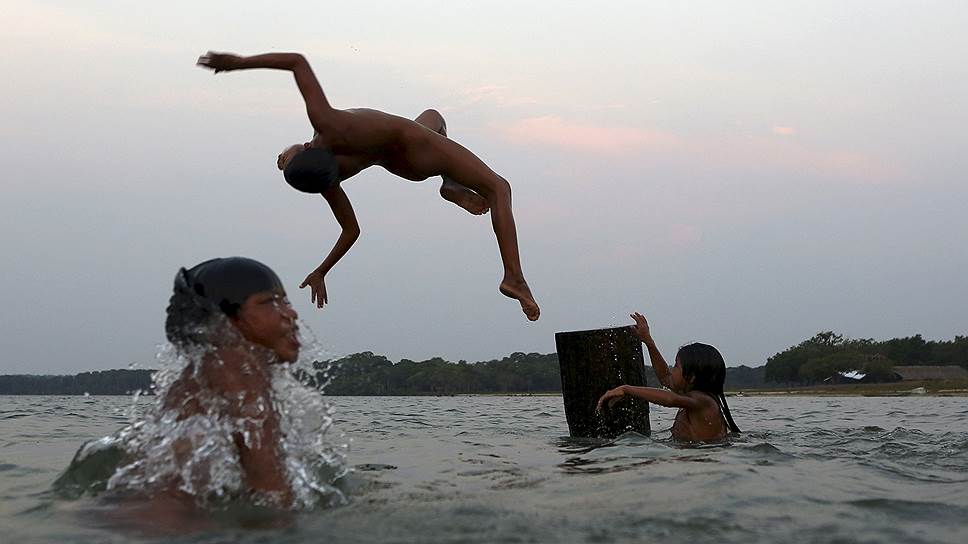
288	153
702	368
308	169
237	292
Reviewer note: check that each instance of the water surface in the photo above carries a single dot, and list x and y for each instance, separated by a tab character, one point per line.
500	469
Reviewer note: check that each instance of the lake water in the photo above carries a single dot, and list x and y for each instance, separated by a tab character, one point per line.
501	469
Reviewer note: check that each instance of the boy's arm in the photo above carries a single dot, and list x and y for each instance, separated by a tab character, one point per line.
246	386
312	92
645	335
651	394
346	217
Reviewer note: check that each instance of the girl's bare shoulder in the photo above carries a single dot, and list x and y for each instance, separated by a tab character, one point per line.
705	398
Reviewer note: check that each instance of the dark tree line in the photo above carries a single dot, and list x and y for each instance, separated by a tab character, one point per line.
357	374
827	353
104	382
368	374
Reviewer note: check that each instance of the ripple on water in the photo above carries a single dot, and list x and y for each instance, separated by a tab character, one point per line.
762	452
912	510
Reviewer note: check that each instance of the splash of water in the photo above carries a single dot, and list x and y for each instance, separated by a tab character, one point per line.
162	449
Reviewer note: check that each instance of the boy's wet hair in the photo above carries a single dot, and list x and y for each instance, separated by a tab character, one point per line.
312	170
707	367
208	292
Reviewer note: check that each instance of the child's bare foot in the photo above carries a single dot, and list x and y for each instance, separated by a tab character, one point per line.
519	290
464	197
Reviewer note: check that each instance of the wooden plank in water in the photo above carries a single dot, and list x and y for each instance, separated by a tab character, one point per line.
592	362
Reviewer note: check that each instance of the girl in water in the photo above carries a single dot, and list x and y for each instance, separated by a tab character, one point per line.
695	386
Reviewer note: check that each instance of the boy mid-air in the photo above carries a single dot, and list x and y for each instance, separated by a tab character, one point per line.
348	141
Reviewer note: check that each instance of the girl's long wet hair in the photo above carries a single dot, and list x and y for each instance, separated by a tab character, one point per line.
706	366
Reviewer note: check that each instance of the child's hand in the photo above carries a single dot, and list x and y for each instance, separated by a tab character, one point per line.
220	62
610	396
317	287
641	327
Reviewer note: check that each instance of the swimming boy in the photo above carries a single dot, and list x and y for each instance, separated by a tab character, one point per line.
231	320
348	141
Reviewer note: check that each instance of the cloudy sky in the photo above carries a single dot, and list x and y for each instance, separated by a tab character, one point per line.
745	173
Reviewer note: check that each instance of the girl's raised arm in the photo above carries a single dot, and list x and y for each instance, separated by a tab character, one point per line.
645	335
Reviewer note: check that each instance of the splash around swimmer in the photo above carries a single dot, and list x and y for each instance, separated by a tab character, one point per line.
230	421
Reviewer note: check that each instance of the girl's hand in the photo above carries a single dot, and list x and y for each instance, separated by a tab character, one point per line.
641	327
610	396
317	287
220	62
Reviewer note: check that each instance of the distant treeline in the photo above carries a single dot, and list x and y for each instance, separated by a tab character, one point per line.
104	382
369	374
828	353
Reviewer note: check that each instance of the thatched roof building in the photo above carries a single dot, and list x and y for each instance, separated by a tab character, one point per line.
926	373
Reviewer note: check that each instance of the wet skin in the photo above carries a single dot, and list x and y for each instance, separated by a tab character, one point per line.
267	319
412	149
237	371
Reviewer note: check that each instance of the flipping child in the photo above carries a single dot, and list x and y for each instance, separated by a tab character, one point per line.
348	141
695	386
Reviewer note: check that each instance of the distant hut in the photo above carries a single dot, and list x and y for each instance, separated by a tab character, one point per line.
930	373
844	377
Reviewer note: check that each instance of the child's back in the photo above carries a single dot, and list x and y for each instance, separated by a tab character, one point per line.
705	424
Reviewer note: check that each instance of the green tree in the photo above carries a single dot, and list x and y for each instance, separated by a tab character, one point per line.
785	366
819	368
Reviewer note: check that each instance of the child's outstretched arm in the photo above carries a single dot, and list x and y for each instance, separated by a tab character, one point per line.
651	394
316	104
346	217
658	362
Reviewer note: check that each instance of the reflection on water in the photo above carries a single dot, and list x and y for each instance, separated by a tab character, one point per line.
498	469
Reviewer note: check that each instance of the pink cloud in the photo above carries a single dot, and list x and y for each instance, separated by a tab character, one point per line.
708	153
555	132
788	156
499	95
684	235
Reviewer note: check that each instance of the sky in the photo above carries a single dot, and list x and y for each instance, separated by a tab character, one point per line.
746	174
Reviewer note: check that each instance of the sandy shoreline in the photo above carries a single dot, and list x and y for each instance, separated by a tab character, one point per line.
942	388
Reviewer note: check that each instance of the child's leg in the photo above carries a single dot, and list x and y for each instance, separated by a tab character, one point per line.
469	171
450	190
502	220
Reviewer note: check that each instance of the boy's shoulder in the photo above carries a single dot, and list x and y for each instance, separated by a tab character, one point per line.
235	370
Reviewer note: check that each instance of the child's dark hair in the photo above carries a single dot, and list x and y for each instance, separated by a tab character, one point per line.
312	170
208	292
706	366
